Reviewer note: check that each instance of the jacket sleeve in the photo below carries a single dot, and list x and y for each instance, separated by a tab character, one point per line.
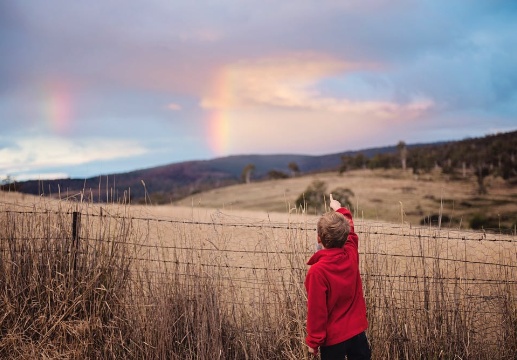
353	239
316	309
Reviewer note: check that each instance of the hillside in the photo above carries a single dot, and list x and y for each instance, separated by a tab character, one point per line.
385	195
490	156
171	182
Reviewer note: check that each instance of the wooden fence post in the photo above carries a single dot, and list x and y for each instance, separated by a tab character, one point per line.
76	227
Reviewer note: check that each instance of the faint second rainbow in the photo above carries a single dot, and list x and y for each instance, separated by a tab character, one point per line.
57	107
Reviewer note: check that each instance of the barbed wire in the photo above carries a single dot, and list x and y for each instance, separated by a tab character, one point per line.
170	262
409	231
271	252
365	275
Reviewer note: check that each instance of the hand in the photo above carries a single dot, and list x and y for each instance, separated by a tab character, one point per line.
334	204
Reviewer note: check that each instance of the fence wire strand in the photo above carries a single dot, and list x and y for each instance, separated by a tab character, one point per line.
255	257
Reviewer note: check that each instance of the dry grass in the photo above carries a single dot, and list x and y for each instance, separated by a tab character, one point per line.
379	195
197	283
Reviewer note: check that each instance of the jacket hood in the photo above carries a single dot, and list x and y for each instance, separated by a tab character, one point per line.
318	255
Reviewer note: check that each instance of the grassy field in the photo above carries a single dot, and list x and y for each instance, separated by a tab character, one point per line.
387	195
221	282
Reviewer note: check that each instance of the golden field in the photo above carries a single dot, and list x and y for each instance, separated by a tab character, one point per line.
220	275
387	195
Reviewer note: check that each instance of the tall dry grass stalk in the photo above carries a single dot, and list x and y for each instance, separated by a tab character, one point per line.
58	301
134	286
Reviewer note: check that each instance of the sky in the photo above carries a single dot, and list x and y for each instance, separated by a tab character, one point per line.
100	87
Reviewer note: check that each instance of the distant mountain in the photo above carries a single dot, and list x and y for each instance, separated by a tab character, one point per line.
167	183
171	182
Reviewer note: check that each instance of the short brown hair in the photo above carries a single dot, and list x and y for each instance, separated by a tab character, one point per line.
333	229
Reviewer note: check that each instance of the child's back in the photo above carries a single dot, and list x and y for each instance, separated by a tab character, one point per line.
336	305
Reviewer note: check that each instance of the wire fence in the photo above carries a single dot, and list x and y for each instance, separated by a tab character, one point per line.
411	272
405	252
392	241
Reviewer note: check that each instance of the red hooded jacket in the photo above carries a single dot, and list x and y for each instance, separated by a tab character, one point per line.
335	304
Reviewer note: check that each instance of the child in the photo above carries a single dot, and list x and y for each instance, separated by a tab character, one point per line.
336	309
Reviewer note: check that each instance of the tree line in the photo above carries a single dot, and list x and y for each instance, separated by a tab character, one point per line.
491	155
294	170
494	155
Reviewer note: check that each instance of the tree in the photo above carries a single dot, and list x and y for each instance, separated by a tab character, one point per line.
7	184
7	180
360	161
482	167
384	161
508	166
349	162
295	170
246	173
346	163
275	174
402	148
420	159
482	171
313	197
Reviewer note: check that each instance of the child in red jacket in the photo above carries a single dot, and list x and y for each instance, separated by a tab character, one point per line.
336	309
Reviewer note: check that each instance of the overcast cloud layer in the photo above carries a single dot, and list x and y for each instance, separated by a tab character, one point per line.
88	88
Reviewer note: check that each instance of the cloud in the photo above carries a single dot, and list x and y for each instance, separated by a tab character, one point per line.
299	76
36	176
26	155
292	82
173	106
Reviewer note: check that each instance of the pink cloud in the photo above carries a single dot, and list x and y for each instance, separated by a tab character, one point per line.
291	82
174	107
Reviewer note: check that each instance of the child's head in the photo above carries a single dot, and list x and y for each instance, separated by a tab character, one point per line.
333	229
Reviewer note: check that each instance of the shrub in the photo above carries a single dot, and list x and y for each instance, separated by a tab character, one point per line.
480	221
275	174
313	198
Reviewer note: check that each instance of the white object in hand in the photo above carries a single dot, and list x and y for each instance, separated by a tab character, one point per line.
334	204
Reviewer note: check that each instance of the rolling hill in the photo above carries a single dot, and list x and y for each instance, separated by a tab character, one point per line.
175	181
494	155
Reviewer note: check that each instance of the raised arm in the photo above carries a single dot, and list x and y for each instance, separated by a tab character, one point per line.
352	236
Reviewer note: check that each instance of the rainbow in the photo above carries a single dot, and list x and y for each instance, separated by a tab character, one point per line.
219	132
58	108
219	120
